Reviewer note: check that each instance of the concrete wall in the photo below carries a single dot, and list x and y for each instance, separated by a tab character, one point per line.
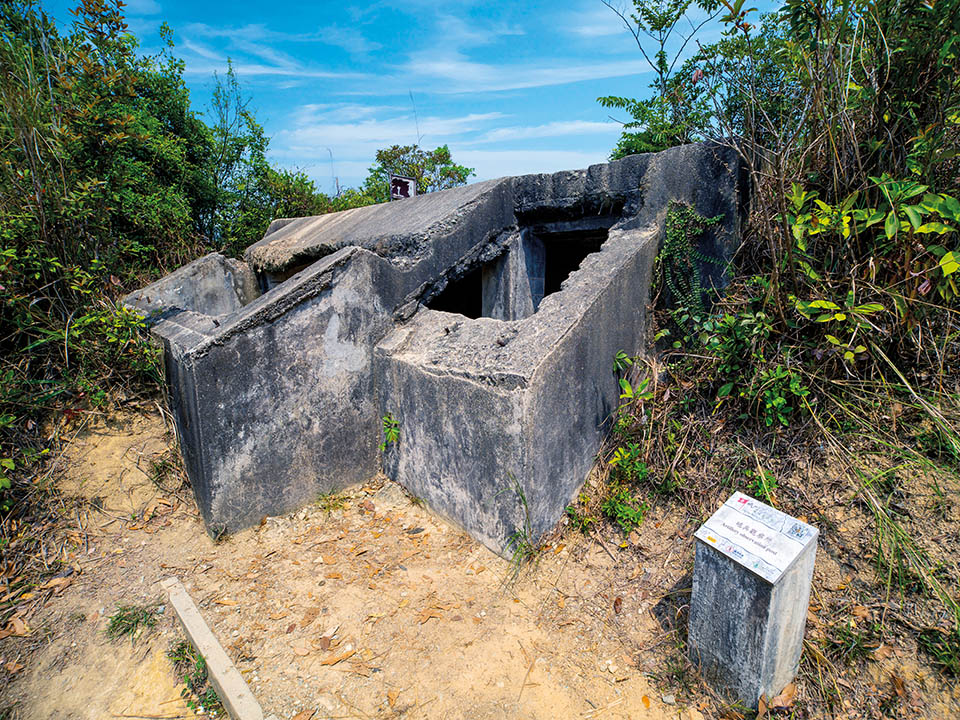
278	397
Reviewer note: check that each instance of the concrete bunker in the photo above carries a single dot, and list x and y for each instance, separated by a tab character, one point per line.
482	319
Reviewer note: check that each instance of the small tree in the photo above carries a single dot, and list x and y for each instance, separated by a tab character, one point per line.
677	112
432	169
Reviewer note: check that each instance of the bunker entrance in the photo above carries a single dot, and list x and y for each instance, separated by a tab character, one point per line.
463	296
565	251
537	261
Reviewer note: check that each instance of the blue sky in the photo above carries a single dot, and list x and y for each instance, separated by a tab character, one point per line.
510	87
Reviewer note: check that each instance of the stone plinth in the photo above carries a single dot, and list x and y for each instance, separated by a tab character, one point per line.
751	586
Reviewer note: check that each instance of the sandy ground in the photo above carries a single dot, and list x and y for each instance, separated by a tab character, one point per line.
375	609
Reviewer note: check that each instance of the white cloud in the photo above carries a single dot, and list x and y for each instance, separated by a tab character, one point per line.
353	134
597	22
363	137
457	33
499	163
142	7
552	129
453	73
347	38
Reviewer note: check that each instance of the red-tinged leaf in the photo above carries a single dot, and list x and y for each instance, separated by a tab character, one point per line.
882	652
762	707
786	698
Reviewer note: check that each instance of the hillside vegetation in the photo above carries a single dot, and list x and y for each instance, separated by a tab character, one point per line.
825	379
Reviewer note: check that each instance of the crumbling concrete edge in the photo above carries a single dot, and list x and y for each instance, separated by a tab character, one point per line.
234	693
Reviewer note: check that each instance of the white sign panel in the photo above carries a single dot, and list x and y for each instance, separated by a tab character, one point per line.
757	536
402	187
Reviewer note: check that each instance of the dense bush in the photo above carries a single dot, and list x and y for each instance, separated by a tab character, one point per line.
847	116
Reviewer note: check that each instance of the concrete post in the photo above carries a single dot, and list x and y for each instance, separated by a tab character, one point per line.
751	586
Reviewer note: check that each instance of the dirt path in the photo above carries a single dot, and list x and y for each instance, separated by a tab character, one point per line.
371	608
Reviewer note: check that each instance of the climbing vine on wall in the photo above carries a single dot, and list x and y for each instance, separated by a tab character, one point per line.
679	260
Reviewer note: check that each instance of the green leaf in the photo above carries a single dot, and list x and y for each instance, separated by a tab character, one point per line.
891	225
949	264
833	340
724	390
868	308
913	215
934	227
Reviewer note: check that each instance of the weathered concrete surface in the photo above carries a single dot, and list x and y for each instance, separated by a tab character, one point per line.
404	231
278	398
488	410
231	688
746	632
211	285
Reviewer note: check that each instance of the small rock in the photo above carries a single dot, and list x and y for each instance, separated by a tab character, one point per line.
669	699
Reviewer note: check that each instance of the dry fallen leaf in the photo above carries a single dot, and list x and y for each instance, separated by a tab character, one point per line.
361	669
617	604
278	616
14	667
328	559
59	583
762	707
19	627
428	613
226	601
899	686
334	576
338	658
861	613
301	651
304	715
786	697
882	652
392	696
309	616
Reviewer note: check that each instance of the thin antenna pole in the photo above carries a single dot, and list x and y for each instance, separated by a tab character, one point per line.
333	175
415	118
